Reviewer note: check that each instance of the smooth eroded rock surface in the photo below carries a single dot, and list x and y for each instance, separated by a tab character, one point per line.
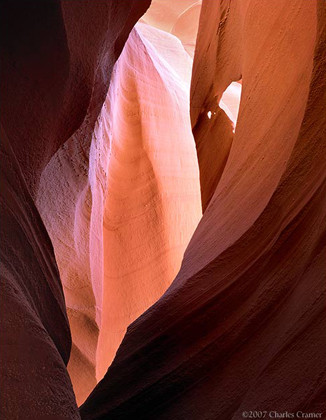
55	71
241	328
113	142
121	219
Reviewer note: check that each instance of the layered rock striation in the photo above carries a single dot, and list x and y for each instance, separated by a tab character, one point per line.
55	72
111	147
241	326
121	209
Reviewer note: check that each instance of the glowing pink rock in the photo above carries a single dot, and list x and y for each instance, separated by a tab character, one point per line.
241	328
56	63
120	221
177	17
152	200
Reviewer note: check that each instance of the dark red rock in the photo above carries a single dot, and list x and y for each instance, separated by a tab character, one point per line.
56	63
242	326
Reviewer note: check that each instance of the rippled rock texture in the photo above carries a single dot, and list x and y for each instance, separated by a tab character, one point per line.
242	326
56	65
113	143
179	18
123	213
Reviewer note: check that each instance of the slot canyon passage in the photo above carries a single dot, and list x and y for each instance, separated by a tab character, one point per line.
163	209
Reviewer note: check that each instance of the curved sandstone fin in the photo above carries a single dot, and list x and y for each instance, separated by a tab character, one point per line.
241	326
